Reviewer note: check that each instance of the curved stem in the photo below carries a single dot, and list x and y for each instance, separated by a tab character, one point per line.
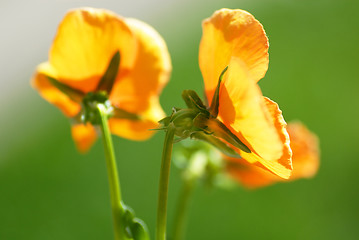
164	182
182	209
115	190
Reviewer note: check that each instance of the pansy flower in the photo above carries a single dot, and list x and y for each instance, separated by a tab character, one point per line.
96	51
234	38
233	57
305	149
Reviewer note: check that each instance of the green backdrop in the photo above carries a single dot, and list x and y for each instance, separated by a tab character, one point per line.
50	191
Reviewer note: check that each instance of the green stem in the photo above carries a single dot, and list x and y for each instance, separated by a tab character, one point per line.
164	182
115	190
182	209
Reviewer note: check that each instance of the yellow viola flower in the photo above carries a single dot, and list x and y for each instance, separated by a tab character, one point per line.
305	147
87	44
234	38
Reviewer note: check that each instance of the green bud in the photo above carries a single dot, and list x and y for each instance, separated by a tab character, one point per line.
135	228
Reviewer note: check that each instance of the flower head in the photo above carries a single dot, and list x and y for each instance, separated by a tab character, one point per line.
234	38
96	51
305	149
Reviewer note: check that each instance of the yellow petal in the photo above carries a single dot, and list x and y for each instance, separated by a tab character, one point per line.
138	90
305	147
84	136
249	175
135	90
230	33
281	166
138	129
84	44
243	110
52	94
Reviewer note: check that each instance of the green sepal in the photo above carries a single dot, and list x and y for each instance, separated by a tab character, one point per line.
123	114
74	94
220	145
135	228
213	109
192	100
165	121
179	117
183	123
221	131
200	121
108	79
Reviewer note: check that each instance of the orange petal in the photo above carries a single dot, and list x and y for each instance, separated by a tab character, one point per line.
140	129
84	44
250	175
230	33
84	136
242	109
136	89
52	94
305	147
281	166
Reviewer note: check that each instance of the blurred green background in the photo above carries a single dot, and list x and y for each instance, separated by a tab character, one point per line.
50	191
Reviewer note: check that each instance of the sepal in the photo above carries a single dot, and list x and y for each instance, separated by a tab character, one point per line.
108	79
220	145
221	131
123	114
199	122
215	99
193	101
74	94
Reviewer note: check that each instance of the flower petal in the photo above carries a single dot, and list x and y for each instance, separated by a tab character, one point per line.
281	166
232	33
304	145
257	122
84	44
52	94
138	129
84	136
241	108
150	73
138	91
249	175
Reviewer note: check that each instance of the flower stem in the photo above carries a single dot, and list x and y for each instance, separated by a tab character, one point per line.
182	209
115	190
164	182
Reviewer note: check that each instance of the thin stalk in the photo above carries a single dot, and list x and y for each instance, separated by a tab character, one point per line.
115	190
164	182
182	209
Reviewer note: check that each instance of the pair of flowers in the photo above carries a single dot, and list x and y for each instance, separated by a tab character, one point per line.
93	43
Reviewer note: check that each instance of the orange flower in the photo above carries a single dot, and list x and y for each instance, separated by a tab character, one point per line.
86	41
305	160
234	38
